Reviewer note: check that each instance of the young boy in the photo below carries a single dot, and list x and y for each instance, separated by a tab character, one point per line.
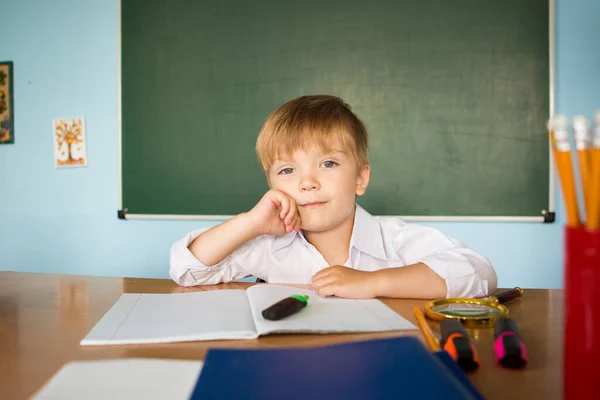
308	228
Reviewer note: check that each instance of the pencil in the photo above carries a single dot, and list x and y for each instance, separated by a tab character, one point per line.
583	138
431	340
562	157
593	221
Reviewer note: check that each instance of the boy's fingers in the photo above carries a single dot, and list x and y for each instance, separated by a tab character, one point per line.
293	205
327	290
321	273
323	281
297	224
291	226
285	206
291	215
275	198
294	208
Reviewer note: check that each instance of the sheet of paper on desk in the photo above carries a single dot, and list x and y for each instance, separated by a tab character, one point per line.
234	314
122	379
323	315
164	318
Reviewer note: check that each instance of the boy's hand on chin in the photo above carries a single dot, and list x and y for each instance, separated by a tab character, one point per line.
275	214
344	282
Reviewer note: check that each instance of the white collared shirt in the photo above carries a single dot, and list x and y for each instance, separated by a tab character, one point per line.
376	243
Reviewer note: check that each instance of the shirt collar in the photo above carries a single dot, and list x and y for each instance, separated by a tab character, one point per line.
366	235
285	240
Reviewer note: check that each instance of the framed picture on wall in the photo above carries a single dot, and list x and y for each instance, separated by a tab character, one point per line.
7	121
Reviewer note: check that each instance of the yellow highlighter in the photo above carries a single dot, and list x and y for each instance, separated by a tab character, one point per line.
559	132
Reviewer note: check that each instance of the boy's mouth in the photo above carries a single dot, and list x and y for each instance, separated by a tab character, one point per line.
314	204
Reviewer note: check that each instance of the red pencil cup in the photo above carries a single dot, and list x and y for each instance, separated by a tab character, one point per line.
581	345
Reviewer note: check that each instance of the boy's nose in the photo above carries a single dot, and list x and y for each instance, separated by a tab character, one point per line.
309	183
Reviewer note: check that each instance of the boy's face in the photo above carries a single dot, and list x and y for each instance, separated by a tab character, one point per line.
323	184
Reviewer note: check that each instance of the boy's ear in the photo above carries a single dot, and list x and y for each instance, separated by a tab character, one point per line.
362	180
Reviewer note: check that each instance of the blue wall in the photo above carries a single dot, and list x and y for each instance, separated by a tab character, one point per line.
64	221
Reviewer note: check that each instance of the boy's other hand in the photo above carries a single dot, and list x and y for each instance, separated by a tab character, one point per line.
342	281
275	214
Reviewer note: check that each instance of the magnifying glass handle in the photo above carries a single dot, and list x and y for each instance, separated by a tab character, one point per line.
509	295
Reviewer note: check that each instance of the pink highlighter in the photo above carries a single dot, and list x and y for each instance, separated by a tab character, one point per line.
509	348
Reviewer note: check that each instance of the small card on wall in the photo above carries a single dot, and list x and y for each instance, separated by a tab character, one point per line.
69	142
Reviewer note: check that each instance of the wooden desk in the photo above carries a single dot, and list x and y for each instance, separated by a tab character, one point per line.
43	318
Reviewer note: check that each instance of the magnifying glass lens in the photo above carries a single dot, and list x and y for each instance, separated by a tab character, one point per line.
466	310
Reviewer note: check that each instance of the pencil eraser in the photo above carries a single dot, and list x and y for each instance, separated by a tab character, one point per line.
580	123
560	122
580	120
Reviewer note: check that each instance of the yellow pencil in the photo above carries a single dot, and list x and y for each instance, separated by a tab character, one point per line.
583	139
593	221
431	340
562	157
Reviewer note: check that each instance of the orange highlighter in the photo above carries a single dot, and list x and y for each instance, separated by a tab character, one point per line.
457	343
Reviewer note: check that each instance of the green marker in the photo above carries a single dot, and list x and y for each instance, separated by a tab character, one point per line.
285	308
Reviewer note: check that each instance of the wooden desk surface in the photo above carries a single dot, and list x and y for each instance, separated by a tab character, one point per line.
43	318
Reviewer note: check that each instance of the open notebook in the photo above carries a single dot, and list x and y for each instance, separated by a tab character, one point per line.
234	314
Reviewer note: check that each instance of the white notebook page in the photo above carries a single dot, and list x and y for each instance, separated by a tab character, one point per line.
161	318
324	314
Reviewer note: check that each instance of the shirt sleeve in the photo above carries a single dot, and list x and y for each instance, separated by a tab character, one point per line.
186	270
467	273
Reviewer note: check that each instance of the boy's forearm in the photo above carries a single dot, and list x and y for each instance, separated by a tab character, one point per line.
416	281
214	245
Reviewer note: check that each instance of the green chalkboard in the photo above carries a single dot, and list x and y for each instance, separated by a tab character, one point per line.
454	94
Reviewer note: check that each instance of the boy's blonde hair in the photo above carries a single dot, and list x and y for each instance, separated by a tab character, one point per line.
320	120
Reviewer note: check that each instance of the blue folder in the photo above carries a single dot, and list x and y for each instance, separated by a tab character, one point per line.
398	368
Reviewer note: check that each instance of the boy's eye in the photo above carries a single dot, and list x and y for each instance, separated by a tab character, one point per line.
286	171
329	164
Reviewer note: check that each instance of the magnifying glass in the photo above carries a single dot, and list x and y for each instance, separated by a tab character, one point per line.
473	313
